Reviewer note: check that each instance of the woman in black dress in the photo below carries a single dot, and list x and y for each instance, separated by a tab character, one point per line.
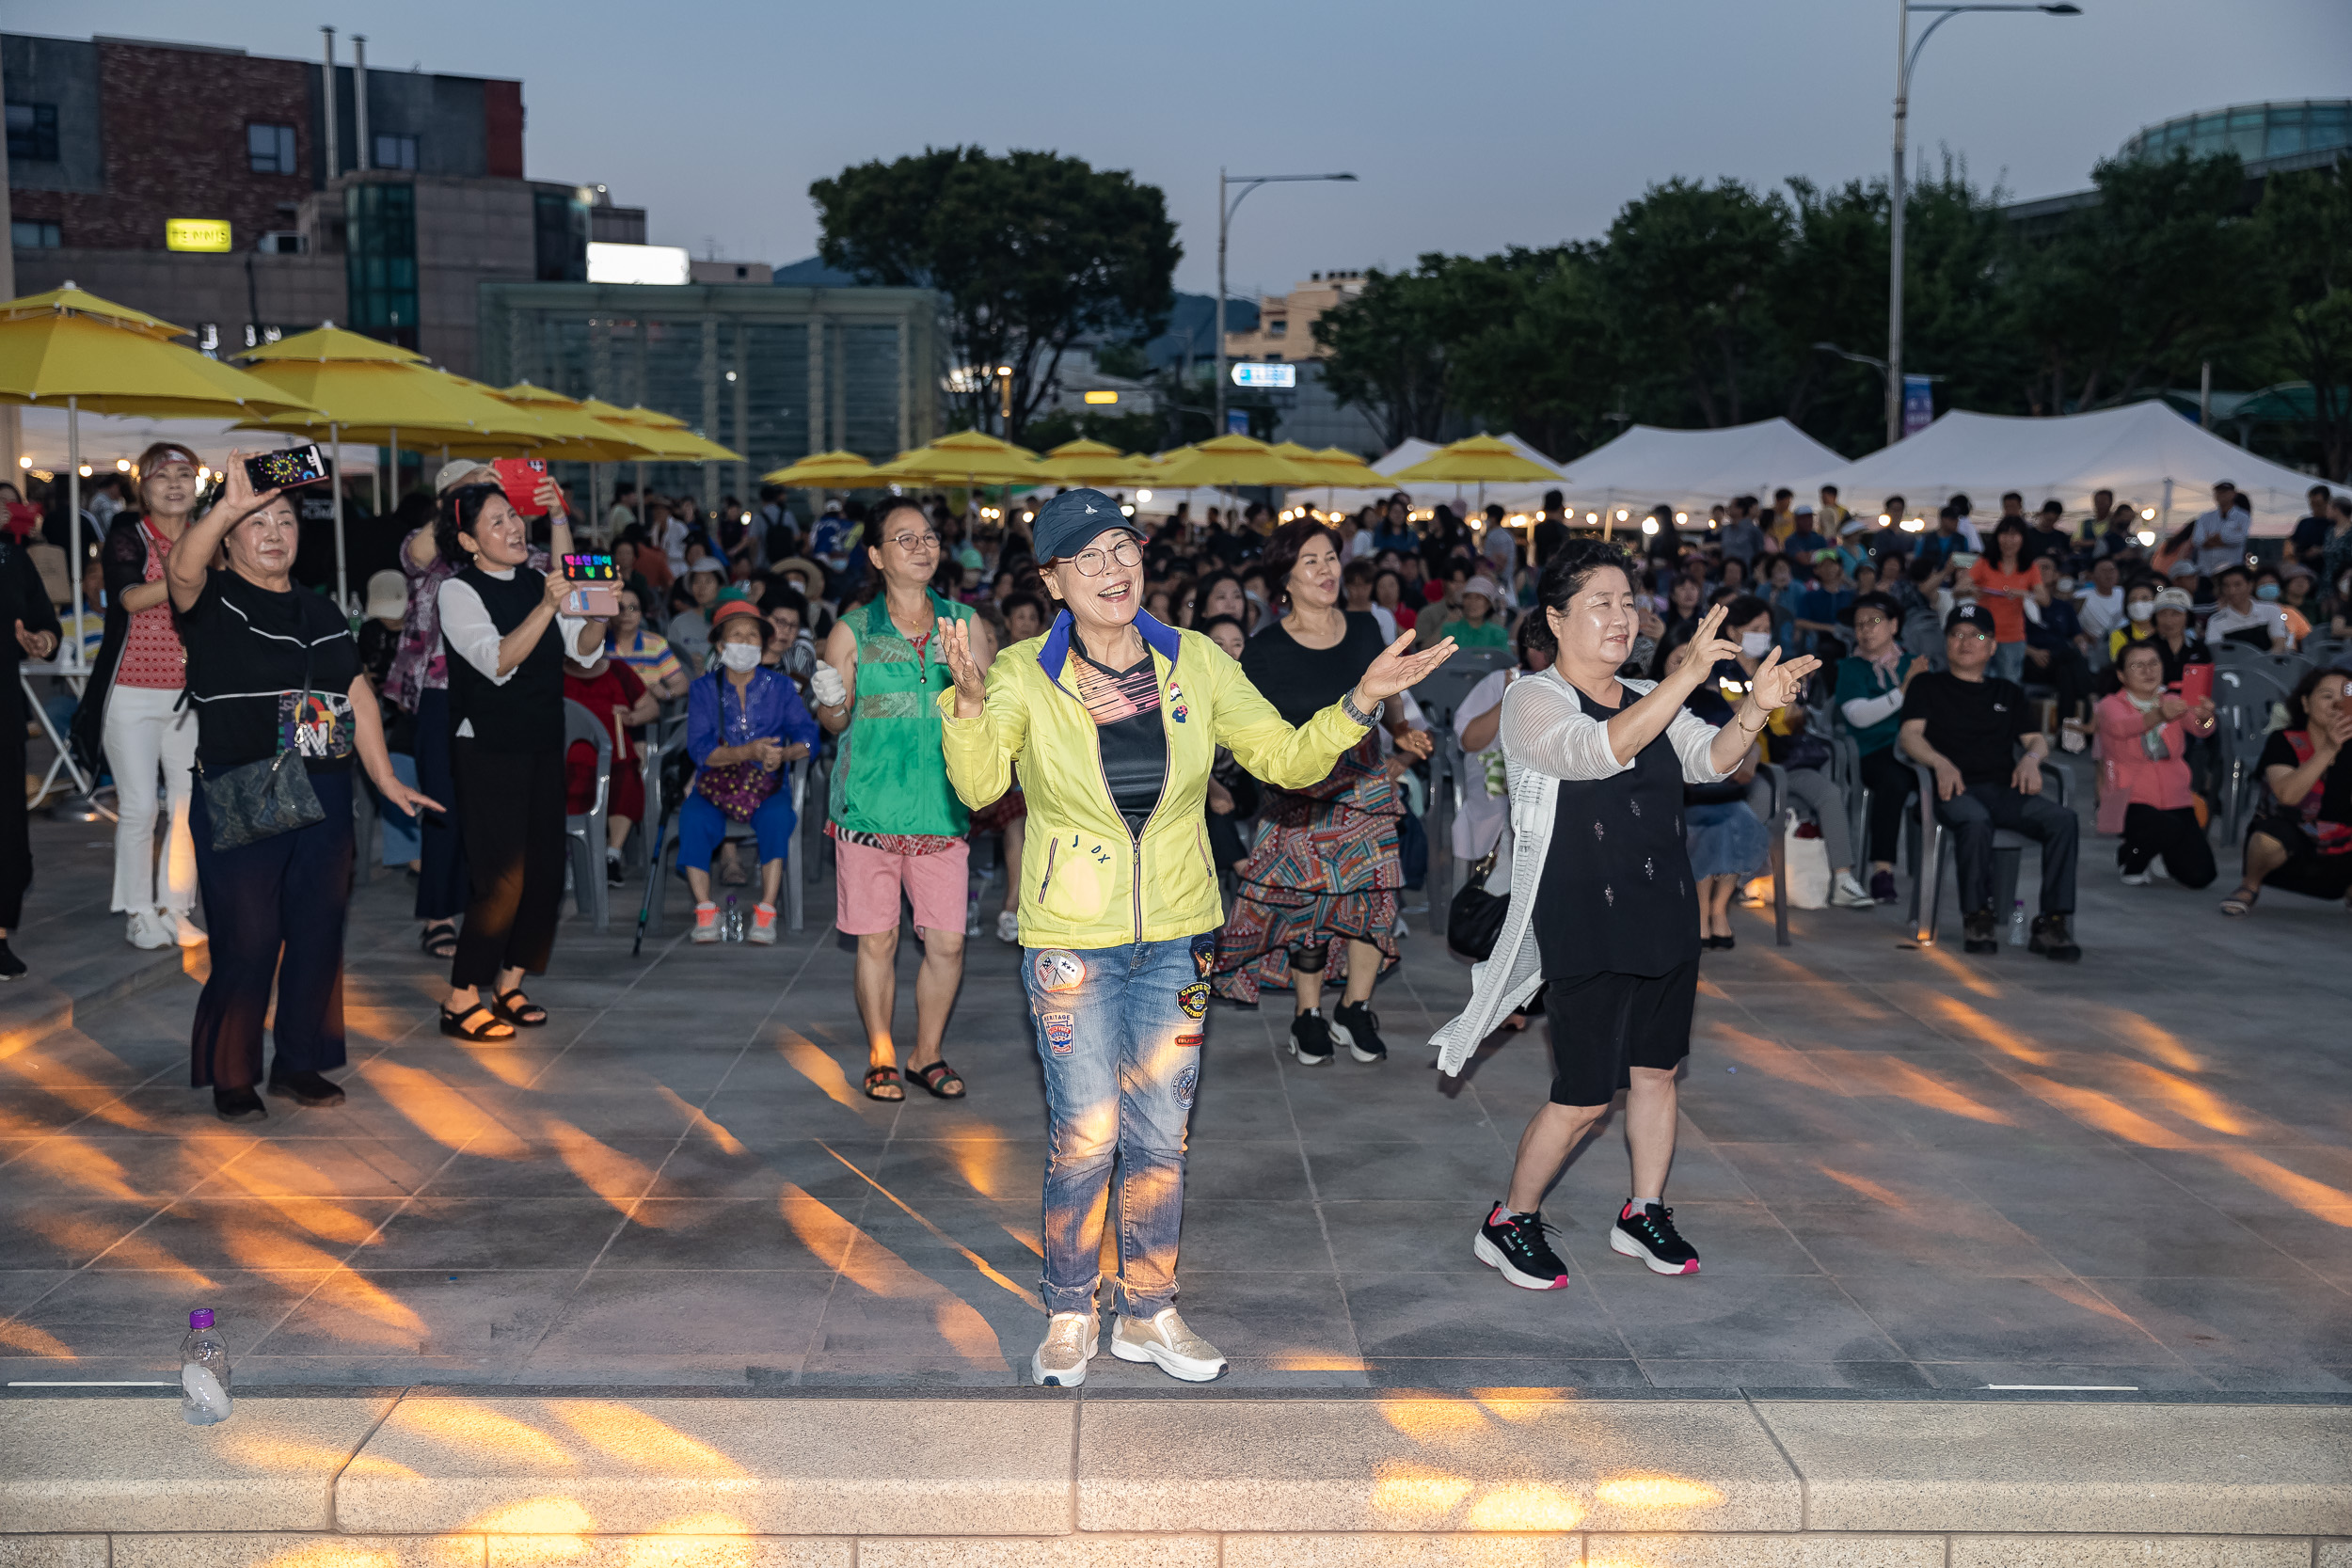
1317	895
1602	906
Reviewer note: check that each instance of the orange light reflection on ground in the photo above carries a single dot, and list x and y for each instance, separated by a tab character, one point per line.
1525	1505
1415	1494
470	1429
1864	1185
623	1433
1658	1492
970	1256
442	1112
612	1175
1433	1420
1900	1079
814	1066
2105	1112
2316	1199
24	1339
70	1159
2158	1042
701	1122
1968	978
1978	1027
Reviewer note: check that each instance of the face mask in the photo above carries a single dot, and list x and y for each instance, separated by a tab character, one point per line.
2066	585
1756	644
739	656
2145	610
2268	590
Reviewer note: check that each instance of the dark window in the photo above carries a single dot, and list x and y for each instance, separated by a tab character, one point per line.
270	148
393	152
35	235
380	256
560	234
33	131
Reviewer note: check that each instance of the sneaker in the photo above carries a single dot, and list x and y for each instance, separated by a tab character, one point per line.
613	876
1976	933
1882	887
1355	1025
1516	1245
12	967
706	923
1310	1040
1009	928
1060	1362
2155	869
1845	892
763	929
1164	1338
2140	878
1650	1235
2051	939
146	930
306	1089
239	1105
182	926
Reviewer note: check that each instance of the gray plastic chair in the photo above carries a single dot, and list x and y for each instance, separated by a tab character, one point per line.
1927	871
584	834
795	860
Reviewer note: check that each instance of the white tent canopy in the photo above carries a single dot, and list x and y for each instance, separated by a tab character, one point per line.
1690	470
2146	453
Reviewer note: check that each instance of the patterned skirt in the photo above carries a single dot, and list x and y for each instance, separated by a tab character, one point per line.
1325	872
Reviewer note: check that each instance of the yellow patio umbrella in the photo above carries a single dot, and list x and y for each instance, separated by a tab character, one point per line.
1473	460
69	347
825	471
1354	473
1234	460
973	456
1096	463
586	438
676	441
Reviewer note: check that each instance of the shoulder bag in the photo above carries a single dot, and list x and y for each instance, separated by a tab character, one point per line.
1473	921
256	800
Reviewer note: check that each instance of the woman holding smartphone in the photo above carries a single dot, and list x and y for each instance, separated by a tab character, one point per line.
507	640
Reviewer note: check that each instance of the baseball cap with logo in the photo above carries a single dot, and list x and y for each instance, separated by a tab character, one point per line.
1075	519
1974	615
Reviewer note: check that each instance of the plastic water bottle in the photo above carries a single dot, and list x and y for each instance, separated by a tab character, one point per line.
731	928
203	1372
2017	923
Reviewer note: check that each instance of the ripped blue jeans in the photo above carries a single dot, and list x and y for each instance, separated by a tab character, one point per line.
1118	1029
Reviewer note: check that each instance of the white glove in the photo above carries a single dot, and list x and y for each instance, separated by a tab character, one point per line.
828	687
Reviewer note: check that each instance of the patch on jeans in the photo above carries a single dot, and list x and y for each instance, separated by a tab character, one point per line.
1186	1082
1186	1041
1060	1030
1058	970
1204	955
1194	999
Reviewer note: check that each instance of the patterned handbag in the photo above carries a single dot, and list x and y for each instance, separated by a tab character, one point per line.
738	789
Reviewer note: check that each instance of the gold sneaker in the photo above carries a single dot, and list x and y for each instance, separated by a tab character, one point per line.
1164	1338
1060	1362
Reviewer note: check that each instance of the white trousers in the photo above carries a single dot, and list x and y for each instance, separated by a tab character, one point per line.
146	739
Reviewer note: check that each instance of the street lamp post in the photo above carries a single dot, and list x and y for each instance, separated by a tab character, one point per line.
1907	56
1225	211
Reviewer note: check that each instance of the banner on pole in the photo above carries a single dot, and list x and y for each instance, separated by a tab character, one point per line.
1919	403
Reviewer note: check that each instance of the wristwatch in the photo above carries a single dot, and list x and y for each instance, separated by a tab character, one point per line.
1347	706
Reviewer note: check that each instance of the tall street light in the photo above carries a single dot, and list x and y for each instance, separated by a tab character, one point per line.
1906	56
1224	220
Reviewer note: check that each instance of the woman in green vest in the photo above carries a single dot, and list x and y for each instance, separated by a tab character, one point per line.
896	823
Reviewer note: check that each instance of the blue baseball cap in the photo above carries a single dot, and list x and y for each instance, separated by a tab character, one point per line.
1075	519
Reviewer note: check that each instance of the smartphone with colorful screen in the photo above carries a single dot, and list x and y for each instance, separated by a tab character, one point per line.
596	586
521	478
284	470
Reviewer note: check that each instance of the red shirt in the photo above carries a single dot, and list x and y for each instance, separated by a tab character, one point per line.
151	654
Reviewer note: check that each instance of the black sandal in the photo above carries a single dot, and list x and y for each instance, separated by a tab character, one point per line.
931	1077
458	1026
440	939
878	1078
529	1016
2241	903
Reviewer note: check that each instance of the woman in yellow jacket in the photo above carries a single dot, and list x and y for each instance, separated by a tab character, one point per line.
1114	720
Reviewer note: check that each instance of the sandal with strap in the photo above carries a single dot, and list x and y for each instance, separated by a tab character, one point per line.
935	1076
2242	901
880	1078
525	1015
460	1026
440	939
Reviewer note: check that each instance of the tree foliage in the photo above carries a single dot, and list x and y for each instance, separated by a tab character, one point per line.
2303	233
1033	251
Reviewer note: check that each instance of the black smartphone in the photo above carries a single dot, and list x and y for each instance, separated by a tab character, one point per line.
283	470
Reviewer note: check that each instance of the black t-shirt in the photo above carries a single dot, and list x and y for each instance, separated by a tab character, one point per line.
2335	785
1551	537
1300	681
1125	705
1615	893
1977	724
248	649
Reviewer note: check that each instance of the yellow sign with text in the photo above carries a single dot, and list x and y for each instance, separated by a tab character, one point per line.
1102	397
196	234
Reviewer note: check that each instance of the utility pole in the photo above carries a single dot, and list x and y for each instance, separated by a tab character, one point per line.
334	161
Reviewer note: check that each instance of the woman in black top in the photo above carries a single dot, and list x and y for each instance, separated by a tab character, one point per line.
272	668
1319	891
24	608
506	646
1602	906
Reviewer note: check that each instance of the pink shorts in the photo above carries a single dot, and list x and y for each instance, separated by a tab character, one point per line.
867	882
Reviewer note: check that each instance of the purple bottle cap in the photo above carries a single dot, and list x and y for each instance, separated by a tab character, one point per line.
200	1318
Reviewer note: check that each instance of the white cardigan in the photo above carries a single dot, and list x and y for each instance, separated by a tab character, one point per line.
1547	736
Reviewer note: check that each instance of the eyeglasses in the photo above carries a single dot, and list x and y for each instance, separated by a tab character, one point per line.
1091	562
913	542
1864	622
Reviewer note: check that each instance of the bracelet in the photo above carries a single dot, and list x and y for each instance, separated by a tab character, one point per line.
1347	706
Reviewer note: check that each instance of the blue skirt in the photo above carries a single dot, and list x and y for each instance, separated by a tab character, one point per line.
1727	839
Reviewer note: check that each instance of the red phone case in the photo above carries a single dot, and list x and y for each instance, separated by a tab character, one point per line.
2196	683
520	478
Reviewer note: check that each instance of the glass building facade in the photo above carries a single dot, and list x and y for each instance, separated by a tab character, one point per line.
380	259
2259	133
773	372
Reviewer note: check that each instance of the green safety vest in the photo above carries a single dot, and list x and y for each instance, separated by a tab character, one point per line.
888	773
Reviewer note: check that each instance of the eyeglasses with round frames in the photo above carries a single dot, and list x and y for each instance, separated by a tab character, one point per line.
1091	563
913	542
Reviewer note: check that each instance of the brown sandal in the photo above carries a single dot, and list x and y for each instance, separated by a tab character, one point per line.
931	1077
877	1078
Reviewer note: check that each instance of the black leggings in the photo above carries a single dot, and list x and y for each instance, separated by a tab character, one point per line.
2150	831
1891	782
511	804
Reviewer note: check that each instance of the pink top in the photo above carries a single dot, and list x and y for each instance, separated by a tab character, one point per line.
2127	774
151	654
